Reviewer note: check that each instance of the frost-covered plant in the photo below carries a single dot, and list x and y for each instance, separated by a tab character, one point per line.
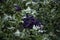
29	20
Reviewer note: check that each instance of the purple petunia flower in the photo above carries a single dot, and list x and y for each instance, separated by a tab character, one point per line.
30	20
17	8
1	1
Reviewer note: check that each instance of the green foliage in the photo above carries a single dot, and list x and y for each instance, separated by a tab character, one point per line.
48	11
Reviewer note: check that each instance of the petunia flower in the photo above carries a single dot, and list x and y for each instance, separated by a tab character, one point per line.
17	8
1	1
29	21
